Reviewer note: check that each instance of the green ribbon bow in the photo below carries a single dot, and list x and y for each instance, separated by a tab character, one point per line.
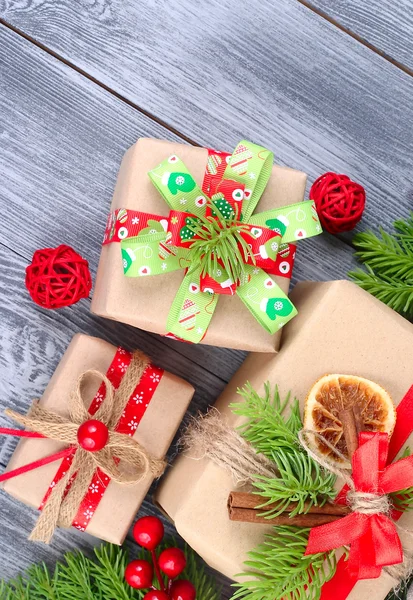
150	252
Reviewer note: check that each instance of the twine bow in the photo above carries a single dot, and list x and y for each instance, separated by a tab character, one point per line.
122	459
369	530
213	234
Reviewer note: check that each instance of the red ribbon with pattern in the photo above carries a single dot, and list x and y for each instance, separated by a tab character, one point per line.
128	424
213	183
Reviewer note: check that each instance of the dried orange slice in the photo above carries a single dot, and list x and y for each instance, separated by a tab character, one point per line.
332	395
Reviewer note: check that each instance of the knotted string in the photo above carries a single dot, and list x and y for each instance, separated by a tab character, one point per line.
122	459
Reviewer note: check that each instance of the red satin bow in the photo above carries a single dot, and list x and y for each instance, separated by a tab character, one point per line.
373	539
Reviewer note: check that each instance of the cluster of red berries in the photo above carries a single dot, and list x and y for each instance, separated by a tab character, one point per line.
139	574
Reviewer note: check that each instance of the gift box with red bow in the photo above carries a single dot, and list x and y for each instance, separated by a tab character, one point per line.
339	329
96	440
200	244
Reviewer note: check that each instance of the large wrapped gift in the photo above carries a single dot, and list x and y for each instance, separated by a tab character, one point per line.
339	329
190	226
110	417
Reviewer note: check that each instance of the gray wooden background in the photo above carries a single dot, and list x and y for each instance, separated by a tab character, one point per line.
326	84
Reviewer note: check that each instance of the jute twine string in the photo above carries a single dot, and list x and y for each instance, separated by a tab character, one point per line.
209	436
123	459
362	502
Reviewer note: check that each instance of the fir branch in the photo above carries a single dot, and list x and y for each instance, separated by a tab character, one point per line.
278	569
396	294
219	238
384	254
98	578
267	427
389	263
270	431
299	482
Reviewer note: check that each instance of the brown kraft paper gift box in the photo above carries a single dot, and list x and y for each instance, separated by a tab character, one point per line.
145	302
120	503
339	329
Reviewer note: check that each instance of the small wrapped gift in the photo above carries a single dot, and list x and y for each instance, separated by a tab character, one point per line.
190	226
110	417
339	329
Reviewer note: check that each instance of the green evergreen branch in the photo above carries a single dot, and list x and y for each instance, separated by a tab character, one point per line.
389	263
97	578
278	569
219	237
384	254
270	431
396	294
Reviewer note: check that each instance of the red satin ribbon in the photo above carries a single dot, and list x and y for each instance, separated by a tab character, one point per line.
373	539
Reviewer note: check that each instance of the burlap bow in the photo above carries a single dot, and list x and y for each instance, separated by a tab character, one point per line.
122	459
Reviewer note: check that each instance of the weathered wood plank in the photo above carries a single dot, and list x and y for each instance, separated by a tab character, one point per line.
32	342
388	26
274	72
63	139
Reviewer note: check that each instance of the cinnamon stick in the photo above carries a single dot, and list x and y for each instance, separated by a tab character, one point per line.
351	426
247	500
249	515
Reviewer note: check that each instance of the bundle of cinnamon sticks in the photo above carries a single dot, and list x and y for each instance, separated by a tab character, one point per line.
242	506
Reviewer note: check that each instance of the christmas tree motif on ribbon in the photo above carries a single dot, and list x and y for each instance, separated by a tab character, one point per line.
239	159
279	224
178	182
188	313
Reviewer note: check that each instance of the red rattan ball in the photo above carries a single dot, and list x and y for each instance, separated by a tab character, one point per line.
58	277
339	202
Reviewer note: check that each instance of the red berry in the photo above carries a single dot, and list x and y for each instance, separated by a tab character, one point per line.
92	435
156	595
183	590
148	532
172	562
139	574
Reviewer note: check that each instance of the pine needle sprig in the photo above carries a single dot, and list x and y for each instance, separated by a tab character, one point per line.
299	483
389	265
278	569
273	432
393	292
384	254
98	578
267	427
219	238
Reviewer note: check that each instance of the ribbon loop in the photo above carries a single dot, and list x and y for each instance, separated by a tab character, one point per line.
211	233
122	459
369	530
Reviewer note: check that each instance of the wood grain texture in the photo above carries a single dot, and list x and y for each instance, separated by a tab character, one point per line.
62	140
274	72
388	26
32	342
